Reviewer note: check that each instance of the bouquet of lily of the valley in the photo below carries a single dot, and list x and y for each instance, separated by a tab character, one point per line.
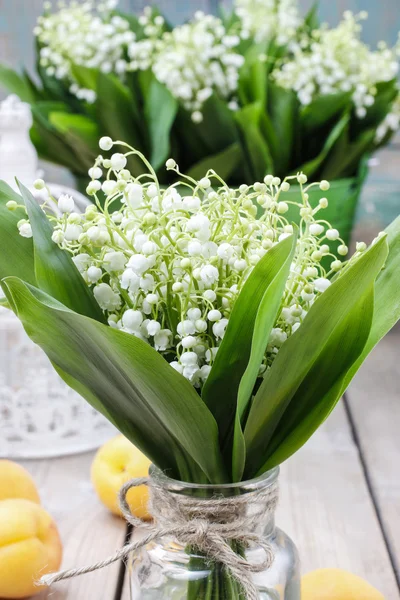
256	91
213	338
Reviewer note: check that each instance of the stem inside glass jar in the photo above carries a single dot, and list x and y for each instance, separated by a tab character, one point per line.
219	584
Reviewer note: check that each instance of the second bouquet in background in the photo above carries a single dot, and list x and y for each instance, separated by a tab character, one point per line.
259	90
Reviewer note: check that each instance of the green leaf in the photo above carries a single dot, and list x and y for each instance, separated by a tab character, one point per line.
16	84
258	152
80	132
322	387
55	270
283	109
311	167
323	109
232	378
84	76
153	405
224	163
300	352
160	111
311	19
345	160
387	298
50	144
16	256
116	117
253	76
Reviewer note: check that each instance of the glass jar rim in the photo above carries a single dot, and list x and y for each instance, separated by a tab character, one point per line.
250	485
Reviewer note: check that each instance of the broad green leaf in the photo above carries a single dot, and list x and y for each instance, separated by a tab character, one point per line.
116	117
283	110
322	387
253	76
257	150
324	108
50	143
160	111
311	19
16	256
311	167
16	84
84	76
80	132
155	407
224	163
217	130
241	350
55	270
300	352
346	159
387	298
267	312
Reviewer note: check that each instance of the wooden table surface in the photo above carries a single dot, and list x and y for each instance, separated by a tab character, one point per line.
339	495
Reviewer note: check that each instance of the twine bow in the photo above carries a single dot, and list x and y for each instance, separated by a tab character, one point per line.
208	524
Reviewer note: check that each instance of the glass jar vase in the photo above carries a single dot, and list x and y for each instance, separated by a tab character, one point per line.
167	570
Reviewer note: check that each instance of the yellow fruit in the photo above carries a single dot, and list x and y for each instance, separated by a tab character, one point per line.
335	584
30	547
16	482
115	463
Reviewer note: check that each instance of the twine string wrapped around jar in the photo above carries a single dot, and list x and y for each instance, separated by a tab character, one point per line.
208	524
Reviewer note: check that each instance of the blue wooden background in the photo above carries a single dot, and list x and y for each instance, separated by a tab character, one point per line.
17	19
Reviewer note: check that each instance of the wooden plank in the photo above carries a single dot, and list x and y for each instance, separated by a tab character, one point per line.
374	400
88	531
325	507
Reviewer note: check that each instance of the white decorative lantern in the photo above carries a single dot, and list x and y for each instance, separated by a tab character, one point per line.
40	416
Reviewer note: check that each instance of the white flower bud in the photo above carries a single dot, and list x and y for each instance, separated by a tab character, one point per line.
285	187
177	366
209	274
66	203
81	261
39	184
162	340
132	319
316	229
302	178
201	325
58	236
240	264
189	341
114	261
170	164
332	234
106	297
95	172
323	203
118	161
194	313
93	274
109	187
282	208
105	143
177	287
322	284
324	185
152	298
72	232
219	328
189	358
342	250
214	315
205	183
210	295
134	195
153	327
